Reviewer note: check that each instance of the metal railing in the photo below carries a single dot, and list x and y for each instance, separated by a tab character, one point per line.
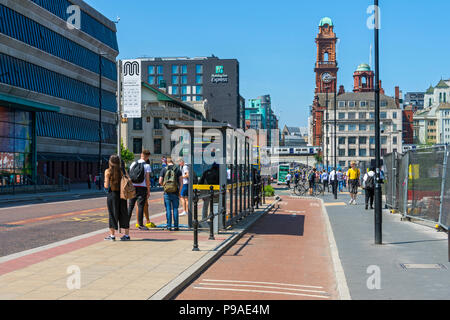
251	197
417	184
41	183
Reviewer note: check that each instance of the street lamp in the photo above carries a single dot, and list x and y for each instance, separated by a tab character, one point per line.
378	195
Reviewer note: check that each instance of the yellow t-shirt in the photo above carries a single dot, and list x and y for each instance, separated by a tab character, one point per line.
353	174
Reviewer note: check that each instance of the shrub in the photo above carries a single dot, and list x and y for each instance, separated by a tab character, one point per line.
269	191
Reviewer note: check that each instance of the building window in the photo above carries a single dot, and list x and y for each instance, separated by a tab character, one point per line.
184	69
372	152
183	79
342	164
341	104
199	89
352	140
137	124
199	79
351	115
372	115
383	103
352	127
151	70
383	115
183	98
394	115
198	98
351	104
362	115
157	146
342	127
394	140
362	140
351	152
341	152
341	115
362	127
175	90
372	140
175	80
363	152
151	80
383	140
184	90
363	103
175	69
160	79
160	69
199	69
342	140
156	123
137	145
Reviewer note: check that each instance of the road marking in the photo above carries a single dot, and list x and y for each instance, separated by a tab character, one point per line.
266	287
269	283
336	204
265	291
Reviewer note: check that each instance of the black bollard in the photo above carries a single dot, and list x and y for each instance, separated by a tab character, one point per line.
195	222
211	207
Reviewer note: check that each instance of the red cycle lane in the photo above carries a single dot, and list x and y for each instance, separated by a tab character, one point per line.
284	256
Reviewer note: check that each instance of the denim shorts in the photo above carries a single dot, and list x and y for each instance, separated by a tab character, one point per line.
185	190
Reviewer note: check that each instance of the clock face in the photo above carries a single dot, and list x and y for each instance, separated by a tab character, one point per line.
327	77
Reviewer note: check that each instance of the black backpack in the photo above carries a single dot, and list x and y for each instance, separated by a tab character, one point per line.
137	173
370	183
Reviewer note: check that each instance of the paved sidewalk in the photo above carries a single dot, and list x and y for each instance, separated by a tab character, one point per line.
403	243
153	265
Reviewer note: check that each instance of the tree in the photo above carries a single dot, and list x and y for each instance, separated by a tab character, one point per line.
126	155
318	158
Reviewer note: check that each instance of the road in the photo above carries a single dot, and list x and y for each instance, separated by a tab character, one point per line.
284	256
38	224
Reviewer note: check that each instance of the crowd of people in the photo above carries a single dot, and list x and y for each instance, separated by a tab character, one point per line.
338	181
121	201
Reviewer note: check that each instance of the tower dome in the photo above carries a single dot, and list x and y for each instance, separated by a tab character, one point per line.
325	21
363	67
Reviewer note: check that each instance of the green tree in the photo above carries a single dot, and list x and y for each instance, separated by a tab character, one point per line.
318	158
127	155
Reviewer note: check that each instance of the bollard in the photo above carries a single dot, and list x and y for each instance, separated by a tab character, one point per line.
195	222
264	193
224	208
256	196
211	208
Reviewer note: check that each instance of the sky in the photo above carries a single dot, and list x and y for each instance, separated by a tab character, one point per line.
274	42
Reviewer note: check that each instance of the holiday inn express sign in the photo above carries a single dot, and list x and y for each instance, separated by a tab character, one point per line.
219	77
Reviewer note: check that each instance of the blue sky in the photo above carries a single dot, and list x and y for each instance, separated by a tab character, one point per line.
274	41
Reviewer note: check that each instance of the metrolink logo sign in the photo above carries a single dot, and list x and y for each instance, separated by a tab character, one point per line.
219	76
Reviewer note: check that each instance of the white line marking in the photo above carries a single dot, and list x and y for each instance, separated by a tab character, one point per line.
269	283
264	291
49	203
256	286
63	242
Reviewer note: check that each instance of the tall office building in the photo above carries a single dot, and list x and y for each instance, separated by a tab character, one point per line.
196	79
50	62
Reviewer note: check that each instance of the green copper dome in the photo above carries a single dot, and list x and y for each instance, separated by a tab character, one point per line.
363	67
325	21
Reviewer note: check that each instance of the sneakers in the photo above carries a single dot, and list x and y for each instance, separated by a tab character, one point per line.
110	238
183	213
350	202
125	238
150	225
143	228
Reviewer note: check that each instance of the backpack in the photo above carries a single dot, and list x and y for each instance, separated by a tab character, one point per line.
370	183
137	173
170	182
127	189
311	176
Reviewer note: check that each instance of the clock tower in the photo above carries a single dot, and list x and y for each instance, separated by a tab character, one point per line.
326	65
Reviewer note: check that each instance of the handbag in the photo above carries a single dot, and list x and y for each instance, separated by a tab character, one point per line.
127	189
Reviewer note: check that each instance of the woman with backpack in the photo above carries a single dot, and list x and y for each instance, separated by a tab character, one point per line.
117	207
369	187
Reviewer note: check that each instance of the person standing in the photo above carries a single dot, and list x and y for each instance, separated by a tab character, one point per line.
325	178
340	179
353	176
288	180
171	180
333	180
140	176
312	181
185	188
117	207
89	181
369	187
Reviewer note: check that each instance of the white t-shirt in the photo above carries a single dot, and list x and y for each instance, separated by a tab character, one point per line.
147	169
184	171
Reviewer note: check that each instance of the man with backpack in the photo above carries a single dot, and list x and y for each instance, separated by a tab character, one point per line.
140	176
171	179
312	181
369	187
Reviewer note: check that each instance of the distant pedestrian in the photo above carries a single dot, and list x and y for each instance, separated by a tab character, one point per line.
117	207
325	178
89	181
312	181
185	187
171	180
340	179
288	180
140	176
333	180
369	187
353	180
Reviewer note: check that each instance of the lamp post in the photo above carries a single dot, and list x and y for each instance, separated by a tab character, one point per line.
326	126
378	196
335	139
100	55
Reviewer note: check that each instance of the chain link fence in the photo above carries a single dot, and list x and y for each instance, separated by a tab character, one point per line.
417	184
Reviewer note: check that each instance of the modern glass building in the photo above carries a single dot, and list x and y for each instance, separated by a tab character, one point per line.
51	90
